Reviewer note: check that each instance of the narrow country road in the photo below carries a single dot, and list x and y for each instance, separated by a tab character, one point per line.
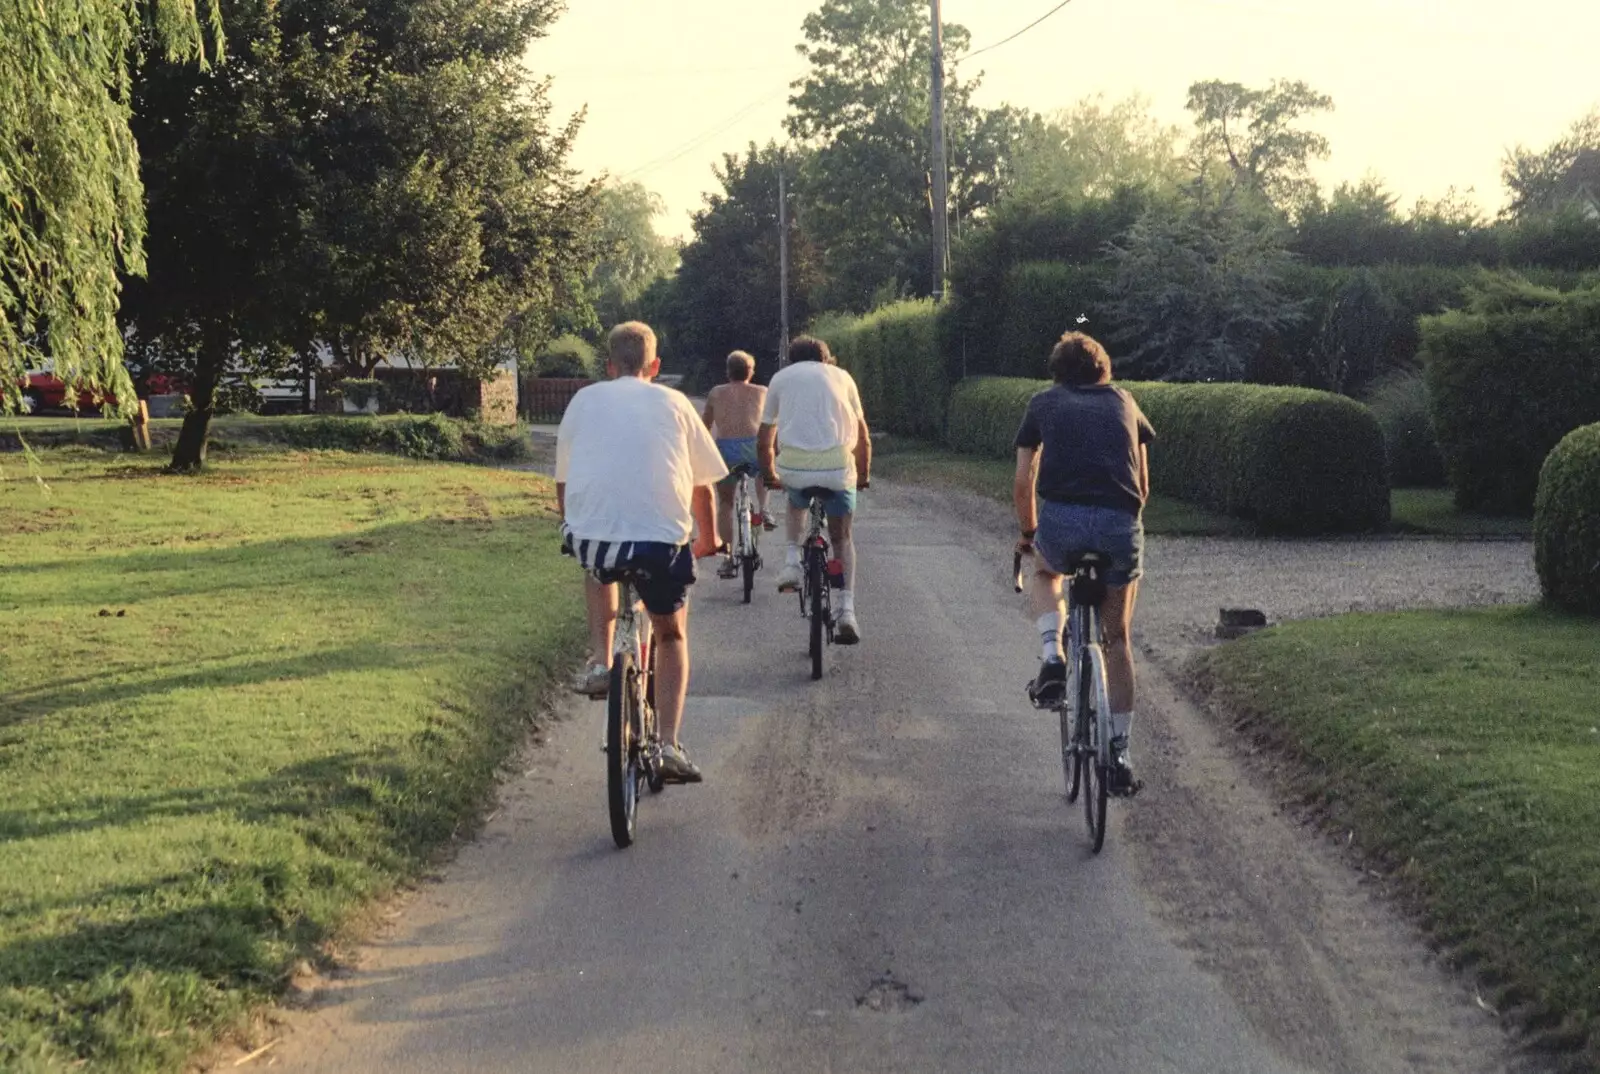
881	873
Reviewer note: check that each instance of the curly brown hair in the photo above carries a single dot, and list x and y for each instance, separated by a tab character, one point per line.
1079	359
809	349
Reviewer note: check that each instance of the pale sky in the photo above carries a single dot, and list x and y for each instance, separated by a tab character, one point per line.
1428	93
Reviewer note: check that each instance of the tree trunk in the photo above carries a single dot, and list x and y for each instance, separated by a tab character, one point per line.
193	439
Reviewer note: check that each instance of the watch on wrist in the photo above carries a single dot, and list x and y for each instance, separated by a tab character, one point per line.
1027	535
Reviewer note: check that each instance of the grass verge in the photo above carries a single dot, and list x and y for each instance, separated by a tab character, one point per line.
1461	750
234	709
914	463
1434	511
416	436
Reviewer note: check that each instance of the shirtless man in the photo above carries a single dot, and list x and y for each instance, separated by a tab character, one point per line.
733	414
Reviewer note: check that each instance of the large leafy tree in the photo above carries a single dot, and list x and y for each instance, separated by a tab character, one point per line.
1256	139
377	175
865	108
633	256
1543	181
1094	149
71	204
726	295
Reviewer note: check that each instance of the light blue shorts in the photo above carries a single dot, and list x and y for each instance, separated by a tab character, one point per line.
1067	529
737	452
835	504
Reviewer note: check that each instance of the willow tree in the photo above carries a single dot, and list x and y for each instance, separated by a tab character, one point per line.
71	204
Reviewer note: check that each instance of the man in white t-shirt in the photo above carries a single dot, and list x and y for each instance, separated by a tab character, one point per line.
635	468
814	419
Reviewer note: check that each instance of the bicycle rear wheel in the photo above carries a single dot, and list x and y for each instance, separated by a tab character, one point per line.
622	765
1091	764
749	566
816	578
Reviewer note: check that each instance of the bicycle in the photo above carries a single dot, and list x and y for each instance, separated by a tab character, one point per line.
632	746
744	555
1084	706
820	574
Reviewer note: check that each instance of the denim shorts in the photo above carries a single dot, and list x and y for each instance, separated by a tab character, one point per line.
835	503
1066	529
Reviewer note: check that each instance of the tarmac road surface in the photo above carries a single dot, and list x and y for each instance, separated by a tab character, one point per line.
881	872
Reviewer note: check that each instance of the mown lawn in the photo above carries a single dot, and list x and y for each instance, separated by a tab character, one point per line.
1462	749
1434	511
233	709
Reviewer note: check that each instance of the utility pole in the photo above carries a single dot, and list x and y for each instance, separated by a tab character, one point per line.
783	264
941	194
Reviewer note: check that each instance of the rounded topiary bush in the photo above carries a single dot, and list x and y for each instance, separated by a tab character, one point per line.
1566	522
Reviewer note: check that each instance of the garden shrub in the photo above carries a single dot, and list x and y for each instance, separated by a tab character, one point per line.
1400	403
1290	459
567	356
360	391
1507	379
427	436
1566	522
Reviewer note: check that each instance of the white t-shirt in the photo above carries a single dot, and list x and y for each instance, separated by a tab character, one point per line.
631	453
817	410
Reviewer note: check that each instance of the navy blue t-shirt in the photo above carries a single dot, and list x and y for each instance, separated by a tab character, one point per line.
1091	437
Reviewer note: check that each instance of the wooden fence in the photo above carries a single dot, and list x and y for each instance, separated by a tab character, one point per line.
545	398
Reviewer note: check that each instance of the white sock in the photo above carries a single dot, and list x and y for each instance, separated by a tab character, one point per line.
1050	636
791	558
1121	724
847	600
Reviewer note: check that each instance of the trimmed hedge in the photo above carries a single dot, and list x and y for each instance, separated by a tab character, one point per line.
1507	380
1290	459
1566	522
893	353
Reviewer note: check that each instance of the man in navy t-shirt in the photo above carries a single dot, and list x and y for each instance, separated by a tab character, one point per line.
1083	449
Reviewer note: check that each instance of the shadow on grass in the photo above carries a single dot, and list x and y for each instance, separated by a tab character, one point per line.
326	562
115	688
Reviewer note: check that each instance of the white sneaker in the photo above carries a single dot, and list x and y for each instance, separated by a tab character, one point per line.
594	681
789	578
846	631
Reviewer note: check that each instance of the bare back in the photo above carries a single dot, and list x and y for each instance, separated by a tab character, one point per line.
735	410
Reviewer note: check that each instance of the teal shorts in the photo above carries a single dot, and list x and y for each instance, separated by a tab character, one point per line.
738	452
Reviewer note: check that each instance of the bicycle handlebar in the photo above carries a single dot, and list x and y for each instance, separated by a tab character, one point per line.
1016	571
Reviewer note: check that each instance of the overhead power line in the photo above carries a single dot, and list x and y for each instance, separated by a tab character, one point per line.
698	140
1013	37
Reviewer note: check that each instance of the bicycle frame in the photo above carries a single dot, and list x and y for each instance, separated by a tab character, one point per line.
1083	644
816	537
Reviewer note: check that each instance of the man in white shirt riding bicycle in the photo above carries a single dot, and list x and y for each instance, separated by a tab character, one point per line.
814	435
635	468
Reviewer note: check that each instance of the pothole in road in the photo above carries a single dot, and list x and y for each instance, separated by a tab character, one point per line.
888	996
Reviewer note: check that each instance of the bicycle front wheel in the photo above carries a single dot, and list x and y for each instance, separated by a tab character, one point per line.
1071	754
622	753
